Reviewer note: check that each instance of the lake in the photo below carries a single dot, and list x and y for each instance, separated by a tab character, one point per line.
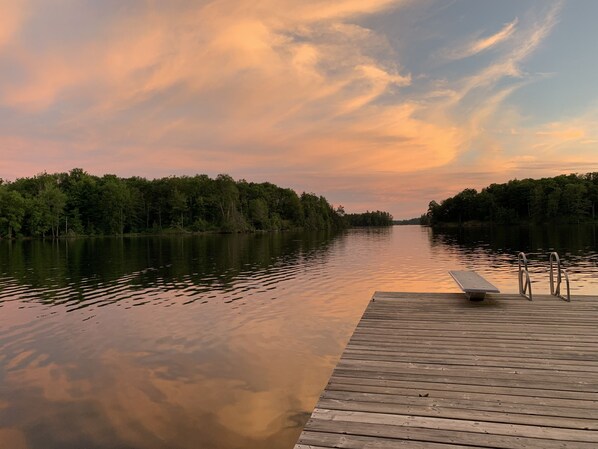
218	341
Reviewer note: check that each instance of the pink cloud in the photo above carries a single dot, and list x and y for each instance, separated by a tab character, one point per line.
13	12
302	93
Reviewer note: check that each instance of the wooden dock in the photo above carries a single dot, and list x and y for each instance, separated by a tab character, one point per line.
436	371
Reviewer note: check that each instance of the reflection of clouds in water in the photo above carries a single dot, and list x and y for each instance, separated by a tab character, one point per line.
135	399
171	379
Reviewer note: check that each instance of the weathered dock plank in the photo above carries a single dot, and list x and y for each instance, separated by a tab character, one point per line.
435	371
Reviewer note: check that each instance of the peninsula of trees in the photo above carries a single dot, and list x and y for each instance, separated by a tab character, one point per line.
77	203
377	218
562	199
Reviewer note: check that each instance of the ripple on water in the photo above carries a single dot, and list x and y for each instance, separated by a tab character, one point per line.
242	327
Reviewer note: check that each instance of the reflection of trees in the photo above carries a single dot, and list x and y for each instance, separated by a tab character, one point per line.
573	238
206	261
382	232
576	242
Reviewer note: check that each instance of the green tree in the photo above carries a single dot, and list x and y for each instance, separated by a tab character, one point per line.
575	202
178	206
51	202
258	213
82	209
115	204
12	211
228	201
553	200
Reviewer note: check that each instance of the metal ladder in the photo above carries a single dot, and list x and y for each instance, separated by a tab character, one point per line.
555	289
525	284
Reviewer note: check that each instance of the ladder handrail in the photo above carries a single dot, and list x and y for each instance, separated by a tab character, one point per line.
556	290
525	288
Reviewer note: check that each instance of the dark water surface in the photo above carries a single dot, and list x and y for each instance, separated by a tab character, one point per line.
217	341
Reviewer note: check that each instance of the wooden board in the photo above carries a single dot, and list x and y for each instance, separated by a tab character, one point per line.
431	371
471	282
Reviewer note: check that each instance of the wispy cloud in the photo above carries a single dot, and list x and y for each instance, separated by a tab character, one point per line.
310	94
479	98
285	81
12	13
481	44
491	41
507	63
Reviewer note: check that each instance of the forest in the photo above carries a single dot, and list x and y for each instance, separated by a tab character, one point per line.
79	204
561	199
408	221
377	218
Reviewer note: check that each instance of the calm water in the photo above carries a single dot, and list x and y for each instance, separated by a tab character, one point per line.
216	341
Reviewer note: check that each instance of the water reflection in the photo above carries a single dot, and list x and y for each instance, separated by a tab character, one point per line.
496	247
83	366
214	341
568	239
95	272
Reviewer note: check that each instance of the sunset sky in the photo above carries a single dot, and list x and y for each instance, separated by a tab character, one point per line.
374	104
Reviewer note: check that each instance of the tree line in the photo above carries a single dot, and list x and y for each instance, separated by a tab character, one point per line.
77	203
377	218
408	221
565	198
